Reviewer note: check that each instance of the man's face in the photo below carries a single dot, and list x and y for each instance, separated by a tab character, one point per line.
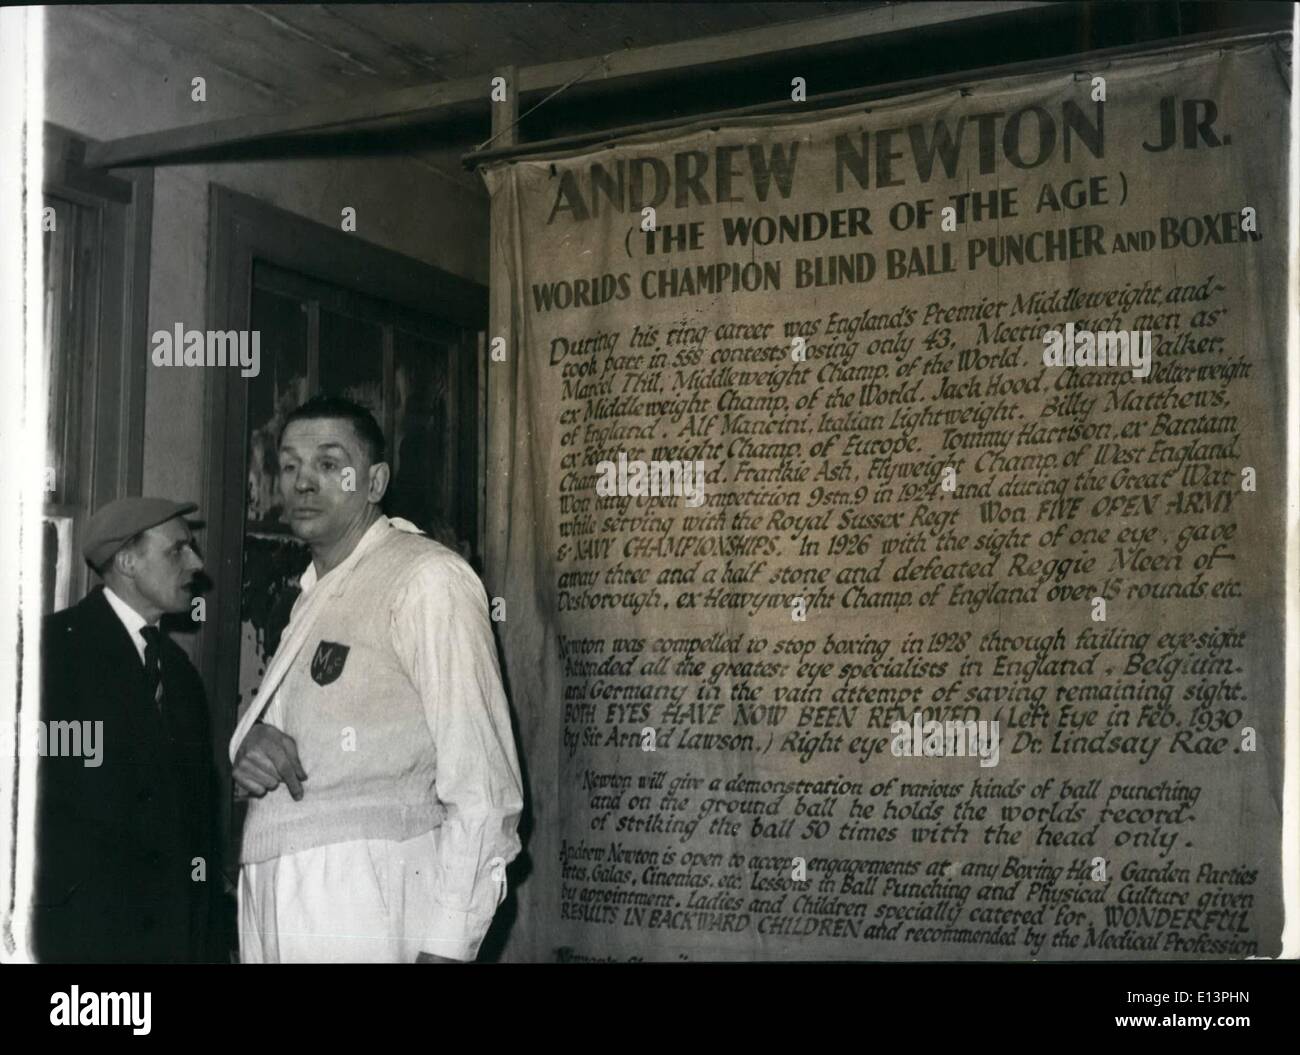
163	566
325	479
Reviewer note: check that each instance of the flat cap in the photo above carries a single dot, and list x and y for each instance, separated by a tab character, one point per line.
120	521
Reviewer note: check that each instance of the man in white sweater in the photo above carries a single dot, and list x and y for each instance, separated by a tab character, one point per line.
378	758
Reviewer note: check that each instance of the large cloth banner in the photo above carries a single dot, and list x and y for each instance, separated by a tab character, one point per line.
886	511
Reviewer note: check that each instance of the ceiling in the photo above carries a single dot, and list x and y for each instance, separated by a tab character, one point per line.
293	54
301	52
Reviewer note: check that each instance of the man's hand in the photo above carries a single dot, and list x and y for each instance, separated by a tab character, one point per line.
265	758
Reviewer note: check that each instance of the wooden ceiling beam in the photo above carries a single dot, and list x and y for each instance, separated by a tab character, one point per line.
426	104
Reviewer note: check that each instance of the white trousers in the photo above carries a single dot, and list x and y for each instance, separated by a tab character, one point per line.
368	901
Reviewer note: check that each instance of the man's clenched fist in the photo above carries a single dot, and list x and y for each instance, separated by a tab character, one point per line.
265	758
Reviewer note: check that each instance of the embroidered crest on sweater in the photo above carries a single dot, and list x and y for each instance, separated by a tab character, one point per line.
327	663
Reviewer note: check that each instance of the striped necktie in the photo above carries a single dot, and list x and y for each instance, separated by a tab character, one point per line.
153	661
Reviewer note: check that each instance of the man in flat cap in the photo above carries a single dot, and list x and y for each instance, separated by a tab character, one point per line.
127	831
378	755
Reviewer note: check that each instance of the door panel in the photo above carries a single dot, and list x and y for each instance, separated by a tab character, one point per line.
322	338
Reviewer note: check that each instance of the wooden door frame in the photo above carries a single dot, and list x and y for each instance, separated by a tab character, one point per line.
110	452
241	230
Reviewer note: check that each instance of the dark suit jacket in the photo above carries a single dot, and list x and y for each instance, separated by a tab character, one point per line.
116	843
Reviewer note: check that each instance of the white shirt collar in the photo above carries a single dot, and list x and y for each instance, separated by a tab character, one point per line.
372	535
131	619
